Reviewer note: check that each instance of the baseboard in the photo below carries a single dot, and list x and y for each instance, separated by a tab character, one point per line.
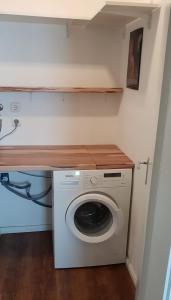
29	228
131	271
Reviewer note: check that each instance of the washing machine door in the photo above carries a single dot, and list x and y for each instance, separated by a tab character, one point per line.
94	217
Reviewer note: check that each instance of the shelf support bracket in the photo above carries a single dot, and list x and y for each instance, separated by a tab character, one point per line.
130	12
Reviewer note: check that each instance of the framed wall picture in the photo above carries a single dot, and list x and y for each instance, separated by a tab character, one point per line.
134	58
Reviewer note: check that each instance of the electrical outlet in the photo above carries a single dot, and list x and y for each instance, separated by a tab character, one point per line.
15	107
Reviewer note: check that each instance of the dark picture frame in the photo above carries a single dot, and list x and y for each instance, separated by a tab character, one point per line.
134	58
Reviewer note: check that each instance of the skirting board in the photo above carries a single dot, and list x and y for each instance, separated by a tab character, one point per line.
131	271
29	228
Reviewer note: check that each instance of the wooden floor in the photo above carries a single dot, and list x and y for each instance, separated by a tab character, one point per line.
27	273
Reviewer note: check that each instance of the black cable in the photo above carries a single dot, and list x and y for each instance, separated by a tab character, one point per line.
42	204
0	125
9	133
28	196
35	175
20	186
16	123
11	186
40	196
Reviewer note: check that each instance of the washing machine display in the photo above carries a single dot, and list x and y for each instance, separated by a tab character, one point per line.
90	217
94	217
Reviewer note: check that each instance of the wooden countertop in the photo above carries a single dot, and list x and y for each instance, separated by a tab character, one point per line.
83	157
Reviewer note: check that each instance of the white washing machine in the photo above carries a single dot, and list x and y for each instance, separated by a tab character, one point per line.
90	217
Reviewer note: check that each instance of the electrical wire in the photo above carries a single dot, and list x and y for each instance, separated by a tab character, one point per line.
34	199
12	187
34	175
0	125
9	133
20	186
16	122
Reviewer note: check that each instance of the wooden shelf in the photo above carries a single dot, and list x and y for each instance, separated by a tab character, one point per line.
81	157
10	89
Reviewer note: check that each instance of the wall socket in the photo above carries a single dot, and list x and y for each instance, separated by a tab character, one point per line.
15	107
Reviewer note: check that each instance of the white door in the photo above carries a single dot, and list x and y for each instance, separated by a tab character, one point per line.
155	283
138	120
94	217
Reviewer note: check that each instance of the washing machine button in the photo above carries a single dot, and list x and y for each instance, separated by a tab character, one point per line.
94	180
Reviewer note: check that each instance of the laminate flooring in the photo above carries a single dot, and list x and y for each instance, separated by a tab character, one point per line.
27	273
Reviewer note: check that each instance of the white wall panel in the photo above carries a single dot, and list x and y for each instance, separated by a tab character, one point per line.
36	54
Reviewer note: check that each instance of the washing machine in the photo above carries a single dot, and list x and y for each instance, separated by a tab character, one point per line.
90	217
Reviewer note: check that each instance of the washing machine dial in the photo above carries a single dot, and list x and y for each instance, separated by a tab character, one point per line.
94	180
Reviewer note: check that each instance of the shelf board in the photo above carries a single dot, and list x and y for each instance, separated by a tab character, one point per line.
147	7
129	9
71	157
78	90
122	13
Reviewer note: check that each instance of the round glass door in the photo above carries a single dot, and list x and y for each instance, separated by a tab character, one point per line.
94	218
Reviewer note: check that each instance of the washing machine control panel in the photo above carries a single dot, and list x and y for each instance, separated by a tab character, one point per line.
105	179
92	178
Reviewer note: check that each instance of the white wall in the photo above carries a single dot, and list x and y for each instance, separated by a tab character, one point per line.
43	55
18	214
37	54
138	116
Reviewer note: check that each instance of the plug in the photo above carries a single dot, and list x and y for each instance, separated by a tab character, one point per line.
1	107
16	123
